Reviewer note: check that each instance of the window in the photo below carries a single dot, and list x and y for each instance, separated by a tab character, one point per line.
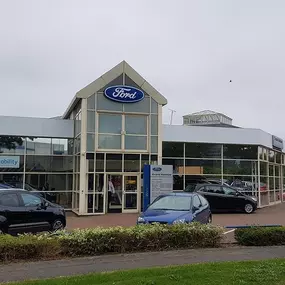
91	121
214	189
232	151
109	142
154	125
172	149
136	125
204	202
31	200
229	191
172	203
136	132
196	202
202	150
9	200
201	188
110	124
136	142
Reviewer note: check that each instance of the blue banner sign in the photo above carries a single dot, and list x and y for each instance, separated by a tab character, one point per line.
124	94
157	180
9	161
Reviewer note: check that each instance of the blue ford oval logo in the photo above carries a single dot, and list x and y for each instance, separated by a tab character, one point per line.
157	169
124	94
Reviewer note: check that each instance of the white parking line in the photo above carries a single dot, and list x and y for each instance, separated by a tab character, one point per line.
229	231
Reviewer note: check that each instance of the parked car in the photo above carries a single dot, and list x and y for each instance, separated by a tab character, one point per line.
219	181
225	198
26	186
177	208
23	212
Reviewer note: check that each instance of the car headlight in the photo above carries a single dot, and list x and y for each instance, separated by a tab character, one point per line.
179	221
254	199
141	220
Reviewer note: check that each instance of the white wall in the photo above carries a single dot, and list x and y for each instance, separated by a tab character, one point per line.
35	127
216	135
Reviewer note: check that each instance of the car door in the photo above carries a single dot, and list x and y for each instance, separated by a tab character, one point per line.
215	197
233	200
12	209
205	209
197	210
40	217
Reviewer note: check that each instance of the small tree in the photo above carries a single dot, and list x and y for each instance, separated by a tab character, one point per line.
10	142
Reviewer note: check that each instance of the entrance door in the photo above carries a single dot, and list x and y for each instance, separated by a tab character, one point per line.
114	189
130	201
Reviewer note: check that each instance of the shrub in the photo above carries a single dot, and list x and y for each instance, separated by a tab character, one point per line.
260	236
27	247
139	238
109	240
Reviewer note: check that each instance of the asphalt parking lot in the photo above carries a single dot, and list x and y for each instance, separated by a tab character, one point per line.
268	215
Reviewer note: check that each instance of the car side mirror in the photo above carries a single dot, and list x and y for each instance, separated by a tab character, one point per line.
44	205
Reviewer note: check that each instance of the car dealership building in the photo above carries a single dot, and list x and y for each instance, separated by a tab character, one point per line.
91	158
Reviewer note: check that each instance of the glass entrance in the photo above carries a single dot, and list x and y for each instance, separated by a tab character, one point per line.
114	189
122	193
130	194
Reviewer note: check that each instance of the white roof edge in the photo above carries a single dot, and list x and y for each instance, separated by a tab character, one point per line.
99	83
209	127
219	135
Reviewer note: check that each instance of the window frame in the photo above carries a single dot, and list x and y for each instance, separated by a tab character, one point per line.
213	192
201	200
18	199
123	135
232	189
23	202
193	200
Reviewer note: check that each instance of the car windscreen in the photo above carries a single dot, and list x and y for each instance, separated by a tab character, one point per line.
172	203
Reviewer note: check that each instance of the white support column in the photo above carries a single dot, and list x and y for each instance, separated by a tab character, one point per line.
222	163
160	130
83	163
258	180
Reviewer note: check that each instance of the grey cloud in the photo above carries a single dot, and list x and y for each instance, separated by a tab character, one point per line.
189	50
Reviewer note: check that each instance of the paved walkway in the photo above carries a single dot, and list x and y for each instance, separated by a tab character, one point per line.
49	269
268	215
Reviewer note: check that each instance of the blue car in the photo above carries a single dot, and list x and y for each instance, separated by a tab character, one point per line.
177	208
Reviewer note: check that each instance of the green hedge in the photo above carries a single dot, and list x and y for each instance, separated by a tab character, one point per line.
28	247
260	236
111	240
139	238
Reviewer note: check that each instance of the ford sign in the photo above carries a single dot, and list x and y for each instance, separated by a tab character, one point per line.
157	169
124	94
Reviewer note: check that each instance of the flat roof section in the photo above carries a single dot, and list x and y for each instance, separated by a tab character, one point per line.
36	127
221	135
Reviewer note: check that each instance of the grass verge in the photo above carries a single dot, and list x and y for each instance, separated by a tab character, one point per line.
248	272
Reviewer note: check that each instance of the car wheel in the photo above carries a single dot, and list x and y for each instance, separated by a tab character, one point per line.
57	225
248	208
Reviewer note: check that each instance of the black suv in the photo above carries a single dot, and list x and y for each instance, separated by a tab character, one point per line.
225	198
24	212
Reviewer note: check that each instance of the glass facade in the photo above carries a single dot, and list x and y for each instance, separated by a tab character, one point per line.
118	139
38	164
258	171
100	169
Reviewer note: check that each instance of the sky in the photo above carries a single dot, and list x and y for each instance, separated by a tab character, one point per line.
189	50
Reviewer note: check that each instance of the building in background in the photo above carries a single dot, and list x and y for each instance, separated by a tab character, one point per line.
91	159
